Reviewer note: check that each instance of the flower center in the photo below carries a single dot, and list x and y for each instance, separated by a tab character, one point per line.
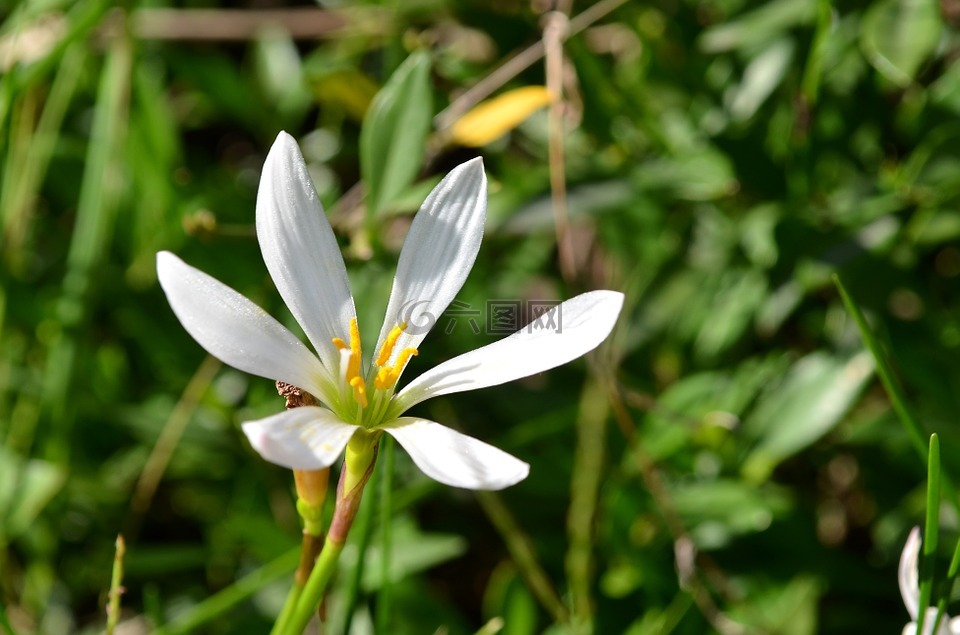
384	376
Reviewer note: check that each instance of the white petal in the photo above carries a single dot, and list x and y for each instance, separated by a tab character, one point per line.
947	625
300	250
908	573
235	330
305	438
566	332
455	459
438	253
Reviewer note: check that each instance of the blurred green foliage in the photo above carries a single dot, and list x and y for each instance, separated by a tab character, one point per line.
734	464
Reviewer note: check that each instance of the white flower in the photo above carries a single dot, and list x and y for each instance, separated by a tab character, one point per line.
909	574
304	260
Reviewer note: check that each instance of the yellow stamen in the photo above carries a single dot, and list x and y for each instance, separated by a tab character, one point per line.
387	377
389	343
339	343
353	368
359	391
382	381
402	360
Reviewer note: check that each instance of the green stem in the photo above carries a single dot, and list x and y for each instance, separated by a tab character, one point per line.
113	608
357	469
288	606
362	530
948	586
931	530
316	586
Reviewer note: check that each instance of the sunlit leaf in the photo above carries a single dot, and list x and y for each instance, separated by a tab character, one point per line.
394	132
760	79
490	120
813	398
898	36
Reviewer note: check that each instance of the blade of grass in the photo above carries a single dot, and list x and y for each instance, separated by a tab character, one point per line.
26	167
223	601
884	369
169	438
584	486
20	140
931	530
524	555
100	193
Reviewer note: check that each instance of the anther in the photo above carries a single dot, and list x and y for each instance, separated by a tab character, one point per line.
382	380
389	343
353	368
387	376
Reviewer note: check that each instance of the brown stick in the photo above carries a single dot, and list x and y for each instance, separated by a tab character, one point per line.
301	23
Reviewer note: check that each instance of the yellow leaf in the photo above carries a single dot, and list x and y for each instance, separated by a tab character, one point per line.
495	117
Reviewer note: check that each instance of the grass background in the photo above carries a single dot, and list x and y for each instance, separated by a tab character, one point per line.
727	462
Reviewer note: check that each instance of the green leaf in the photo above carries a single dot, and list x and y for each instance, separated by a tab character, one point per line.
757	27
761	77
216	605
716	511
280	72
395	131
28	486
897	37
411	552
507	597
785	608
701	175
815	395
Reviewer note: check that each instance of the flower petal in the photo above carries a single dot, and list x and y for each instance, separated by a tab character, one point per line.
566	332
455	459
947	626
235	330
438	253
908	574
300	250
305	438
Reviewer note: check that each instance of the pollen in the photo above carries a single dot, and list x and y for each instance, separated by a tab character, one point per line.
340	344
387	349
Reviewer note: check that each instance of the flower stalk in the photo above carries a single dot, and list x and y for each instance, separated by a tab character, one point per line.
349	494
311	486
